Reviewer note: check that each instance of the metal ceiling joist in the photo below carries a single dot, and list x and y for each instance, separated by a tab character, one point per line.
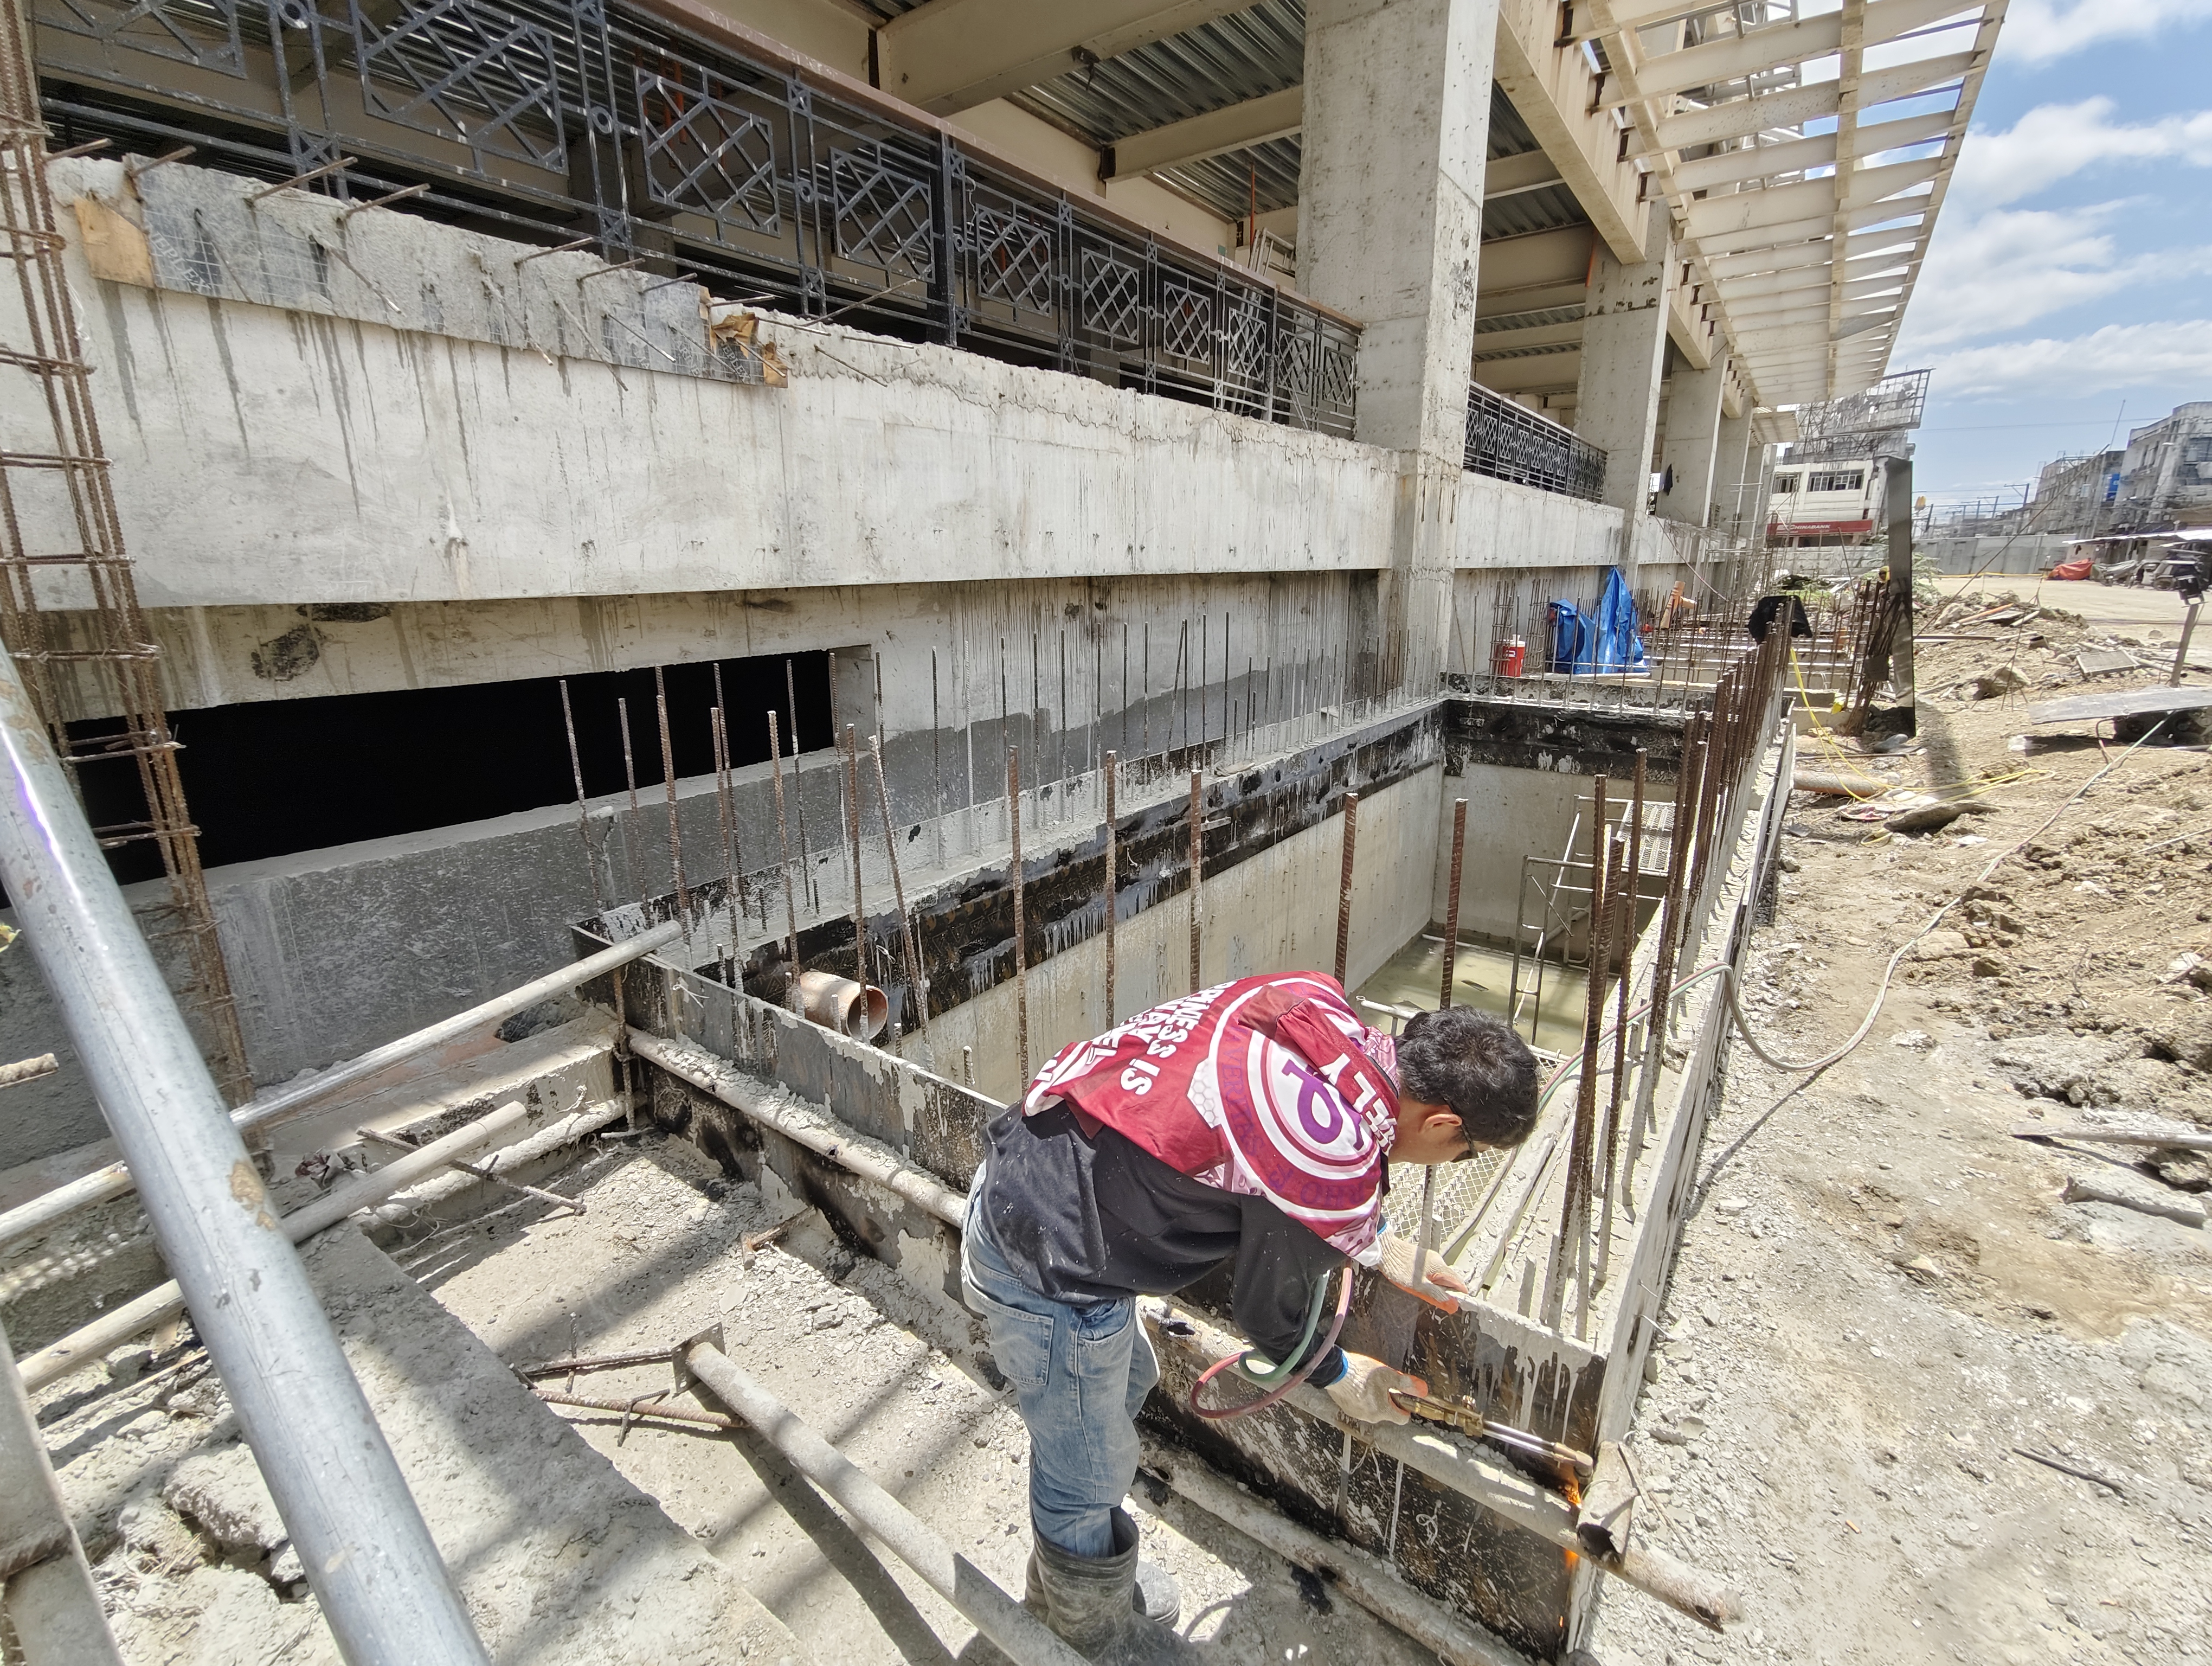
1235	127
951	55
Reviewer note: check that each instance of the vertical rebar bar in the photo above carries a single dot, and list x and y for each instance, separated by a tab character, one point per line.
1663	970
1575	1195
1343	885
1021	924
908	931
1451	902
1632	867
791	996
1110	769
1197	867
583	810
668	775
734	870
798	784
851	794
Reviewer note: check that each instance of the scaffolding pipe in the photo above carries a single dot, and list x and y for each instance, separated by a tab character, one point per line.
164	1302
47	1598
1344	885
1021	1634
41	1213
369	1559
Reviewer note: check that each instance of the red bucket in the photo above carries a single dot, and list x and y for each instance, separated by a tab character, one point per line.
1507	659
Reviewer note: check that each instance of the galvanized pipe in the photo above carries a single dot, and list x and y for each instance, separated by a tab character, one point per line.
369	1559
166	1302
114	1180
1021	930
47	1594
1197	872
1021	1634
1113	873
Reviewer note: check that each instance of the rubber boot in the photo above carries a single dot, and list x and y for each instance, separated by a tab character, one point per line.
1093	1602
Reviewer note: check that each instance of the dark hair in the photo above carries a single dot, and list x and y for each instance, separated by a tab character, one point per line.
1475	1065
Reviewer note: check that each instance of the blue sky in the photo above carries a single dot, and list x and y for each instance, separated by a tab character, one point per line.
2071	270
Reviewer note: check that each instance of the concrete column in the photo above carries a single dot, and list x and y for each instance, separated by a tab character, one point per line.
1623	351
1396	134
1733	464
1692	444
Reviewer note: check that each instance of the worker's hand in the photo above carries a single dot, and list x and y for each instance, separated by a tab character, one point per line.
1364	1390
1439	1287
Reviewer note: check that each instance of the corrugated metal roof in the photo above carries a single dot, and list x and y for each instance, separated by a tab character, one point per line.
1245	55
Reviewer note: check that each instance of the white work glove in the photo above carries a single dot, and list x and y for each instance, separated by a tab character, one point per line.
1439	1287
1364	1390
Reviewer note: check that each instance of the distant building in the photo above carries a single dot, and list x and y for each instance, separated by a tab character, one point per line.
2166	476
1818	504
2076	494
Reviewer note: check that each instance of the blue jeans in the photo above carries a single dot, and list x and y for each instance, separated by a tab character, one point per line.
1080	1375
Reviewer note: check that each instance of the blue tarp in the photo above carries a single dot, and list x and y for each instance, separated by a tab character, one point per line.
1607	640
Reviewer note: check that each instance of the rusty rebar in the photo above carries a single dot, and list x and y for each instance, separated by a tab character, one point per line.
583	810
1197	873
1575	1195
1630	896
849	792
799	780
668	775
1021	927
733	872
909	937
791	996
1109	770
1451	902
1343	885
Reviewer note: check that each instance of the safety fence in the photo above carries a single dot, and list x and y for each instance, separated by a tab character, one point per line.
698	154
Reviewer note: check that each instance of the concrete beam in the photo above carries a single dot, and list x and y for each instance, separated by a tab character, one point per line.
950	55
1554	89
1711	173
1495	344
1235	127
1740	118
1511	176
1540	373
1733	58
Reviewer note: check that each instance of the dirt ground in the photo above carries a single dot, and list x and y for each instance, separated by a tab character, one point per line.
1913	1404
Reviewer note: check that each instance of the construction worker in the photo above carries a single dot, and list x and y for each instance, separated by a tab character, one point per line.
1252	1124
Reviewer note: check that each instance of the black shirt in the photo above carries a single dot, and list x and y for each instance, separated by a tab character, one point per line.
1084	1218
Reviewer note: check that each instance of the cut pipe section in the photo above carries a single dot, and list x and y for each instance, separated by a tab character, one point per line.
1020	1633
857	1010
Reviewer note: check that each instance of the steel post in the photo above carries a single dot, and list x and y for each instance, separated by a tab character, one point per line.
369	1559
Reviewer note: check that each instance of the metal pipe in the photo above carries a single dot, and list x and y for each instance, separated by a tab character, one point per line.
1343	885
1451	902
1197	872
1367	1580
164	1302
999	1617
114	1180
1113	875
47	1597
371	1561
1021	936
824	1135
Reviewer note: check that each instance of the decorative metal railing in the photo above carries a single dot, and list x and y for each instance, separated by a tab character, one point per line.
560	120
1511	443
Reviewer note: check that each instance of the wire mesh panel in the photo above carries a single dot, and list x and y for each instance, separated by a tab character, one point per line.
549	118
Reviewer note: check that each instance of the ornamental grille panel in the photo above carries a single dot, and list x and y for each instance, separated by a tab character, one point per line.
551	120
1508	442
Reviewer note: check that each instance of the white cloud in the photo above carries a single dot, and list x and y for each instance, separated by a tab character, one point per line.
2040	30
2004	269
2118	356
2053	141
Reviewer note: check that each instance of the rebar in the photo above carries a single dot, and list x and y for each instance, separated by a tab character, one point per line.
849	792
733	872
1631	895
792	997
1197	876
1451	902
909	934
1109	770
668	776
1021	928
1574	1196
1343	885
